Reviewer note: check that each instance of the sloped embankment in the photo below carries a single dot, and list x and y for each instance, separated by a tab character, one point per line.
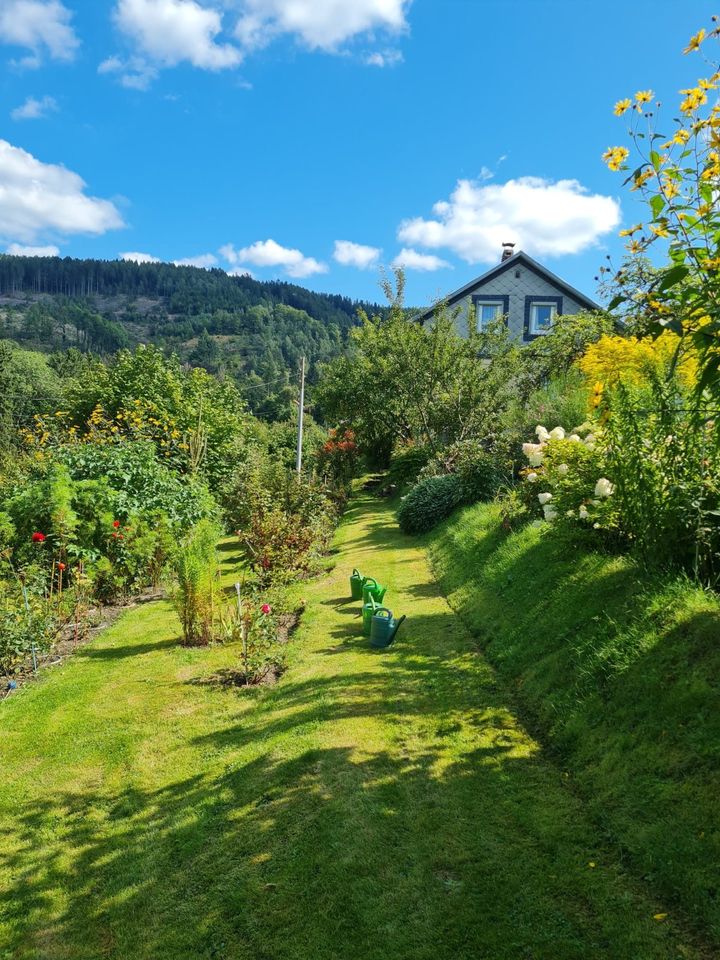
620	670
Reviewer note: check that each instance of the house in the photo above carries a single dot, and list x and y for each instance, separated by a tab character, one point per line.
519	288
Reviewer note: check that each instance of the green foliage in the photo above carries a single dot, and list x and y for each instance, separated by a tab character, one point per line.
27	384
429	502
406	464
195	564
481	473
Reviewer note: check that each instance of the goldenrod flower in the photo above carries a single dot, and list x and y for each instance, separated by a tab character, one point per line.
644	96
695	41
615	157
622	106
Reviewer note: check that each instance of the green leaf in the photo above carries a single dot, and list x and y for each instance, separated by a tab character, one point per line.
657	205
671	277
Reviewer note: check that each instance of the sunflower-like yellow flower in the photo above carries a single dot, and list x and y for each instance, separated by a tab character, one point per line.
642	178
629	231
712	170
622	106
660	229
671	189
634	246
644	96
707	84
695	41
694	97
615	157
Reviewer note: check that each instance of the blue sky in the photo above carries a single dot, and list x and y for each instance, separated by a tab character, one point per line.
313	140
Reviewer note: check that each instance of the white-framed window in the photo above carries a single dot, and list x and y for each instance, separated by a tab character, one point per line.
542	314
488	310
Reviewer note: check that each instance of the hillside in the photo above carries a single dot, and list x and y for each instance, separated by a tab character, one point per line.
253	331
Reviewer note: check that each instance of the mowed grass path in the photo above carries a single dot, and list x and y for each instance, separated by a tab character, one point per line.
372	805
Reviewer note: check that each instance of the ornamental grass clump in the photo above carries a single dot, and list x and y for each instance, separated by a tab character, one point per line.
195	565
429	502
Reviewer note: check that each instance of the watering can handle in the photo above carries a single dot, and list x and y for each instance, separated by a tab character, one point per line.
371	581
381	610
356	572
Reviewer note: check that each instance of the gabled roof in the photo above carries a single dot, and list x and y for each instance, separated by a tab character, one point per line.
513	261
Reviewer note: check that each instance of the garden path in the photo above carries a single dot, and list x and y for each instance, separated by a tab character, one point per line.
371	804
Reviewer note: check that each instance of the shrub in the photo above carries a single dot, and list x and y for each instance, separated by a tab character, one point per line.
480	472
431	501
406	465
195	564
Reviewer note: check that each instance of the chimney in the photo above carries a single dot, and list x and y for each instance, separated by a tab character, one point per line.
508	250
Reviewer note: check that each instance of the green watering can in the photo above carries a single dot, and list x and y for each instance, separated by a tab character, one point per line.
368	610
383	628
372	589
357	582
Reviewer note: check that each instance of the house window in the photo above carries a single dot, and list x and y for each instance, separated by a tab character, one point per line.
488	309
540	313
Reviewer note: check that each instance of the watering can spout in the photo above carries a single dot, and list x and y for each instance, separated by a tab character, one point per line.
397	627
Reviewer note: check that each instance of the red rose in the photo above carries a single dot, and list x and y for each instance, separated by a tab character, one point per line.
116	523
61	567
266	609
38	537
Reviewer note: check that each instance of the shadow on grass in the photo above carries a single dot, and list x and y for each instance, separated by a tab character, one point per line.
463	848
133	650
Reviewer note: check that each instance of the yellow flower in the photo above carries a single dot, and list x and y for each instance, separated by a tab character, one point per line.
615	157
622	106
707	85
659	916
695	41
694	97
630	230
642	178
671	189
659	229
634	246
644	96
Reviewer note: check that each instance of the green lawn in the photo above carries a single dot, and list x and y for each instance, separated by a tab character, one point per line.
373	805
618	667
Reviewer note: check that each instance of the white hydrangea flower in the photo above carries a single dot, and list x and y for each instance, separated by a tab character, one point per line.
603	488
550	512
583	512
562	469
575	437
570	513
557	433
542	433
544	498
532	477
529	448
535	459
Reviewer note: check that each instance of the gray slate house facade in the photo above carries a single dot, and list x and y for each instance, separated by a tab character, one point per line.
520	289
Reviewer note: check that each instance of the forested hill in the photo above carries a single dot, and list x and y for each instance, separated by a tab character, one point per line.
254	331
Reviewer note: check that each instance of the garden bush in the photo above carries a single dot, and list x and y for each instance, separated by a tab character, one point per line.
429	502
406	465
480	471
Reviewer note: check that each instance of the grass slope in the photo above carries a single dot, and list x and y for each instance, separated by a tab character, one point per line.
621	671
370	804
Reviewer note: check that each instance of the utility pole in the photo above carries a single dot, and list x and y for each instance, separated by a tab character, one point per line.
301	413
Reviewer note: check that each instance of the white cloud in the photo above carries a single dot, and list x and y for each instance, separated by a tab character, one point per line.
135	257
34	109
268	253
318	24
383	58
204	260
18	250
135	72
543	217
355	254
166	33
412	260
37	197
40	26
